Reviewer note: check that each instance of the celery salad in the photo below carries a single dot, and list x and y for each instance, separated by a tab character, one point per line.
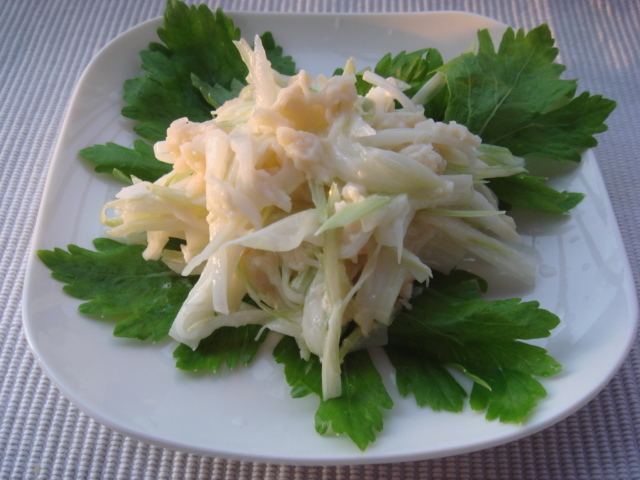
336	212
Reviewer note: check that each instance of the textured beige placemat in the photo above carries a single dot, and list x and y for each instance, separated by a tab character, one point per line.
45	45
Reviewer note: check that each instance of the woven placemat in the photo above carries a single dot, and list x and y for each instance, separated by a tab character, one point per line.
44	47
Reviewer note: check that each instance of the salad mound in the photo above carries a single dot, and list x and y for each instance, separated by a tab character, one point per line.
335	211
325	207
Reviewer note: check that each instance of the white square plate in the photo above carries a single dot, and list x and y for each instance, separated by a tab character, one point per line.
134	388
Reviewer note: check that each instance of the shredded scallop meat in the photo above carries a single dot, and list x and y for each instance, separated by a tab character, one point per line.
312	210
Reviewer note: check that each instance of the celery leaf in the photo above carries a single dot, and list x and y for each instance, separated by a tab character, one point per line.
228	346
279	62
216	95
561	133
138	161
303	376
514	97
357	413
431	383
530	192
142	296
479	337
195	42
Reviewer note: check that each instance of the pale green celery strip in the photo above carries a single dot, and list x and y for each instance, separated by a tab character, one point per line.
228	123
319	199
354	336
366	106
122	177
354	212
511	261
191	215
430	89
498	156
266	215
331	261
174	195
367	271
333	354
171	178
480	174
157	222
457	170
216	242
331	383
331	264
349	342
256	298
240	113
411	261
465	213
110	222
350	67
463	232
455	158
368	117
302	281
199	323
475	378
489	244
173	257
392	89
415	265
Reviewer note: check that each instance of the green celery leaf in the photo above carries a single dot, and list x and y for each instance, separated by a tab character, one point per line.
123	162
494	92
513	391
145	295
226	345
480	320
196	41
362	87
413	68
175	244
279	62
197	44
303	376
526	191
515	98
161	97
459	284
562	132
357	412
216	95
201	41
481	337
430	382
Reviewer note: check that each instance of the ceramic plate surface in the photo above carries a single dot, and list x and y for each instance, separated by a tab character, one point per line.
134	388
